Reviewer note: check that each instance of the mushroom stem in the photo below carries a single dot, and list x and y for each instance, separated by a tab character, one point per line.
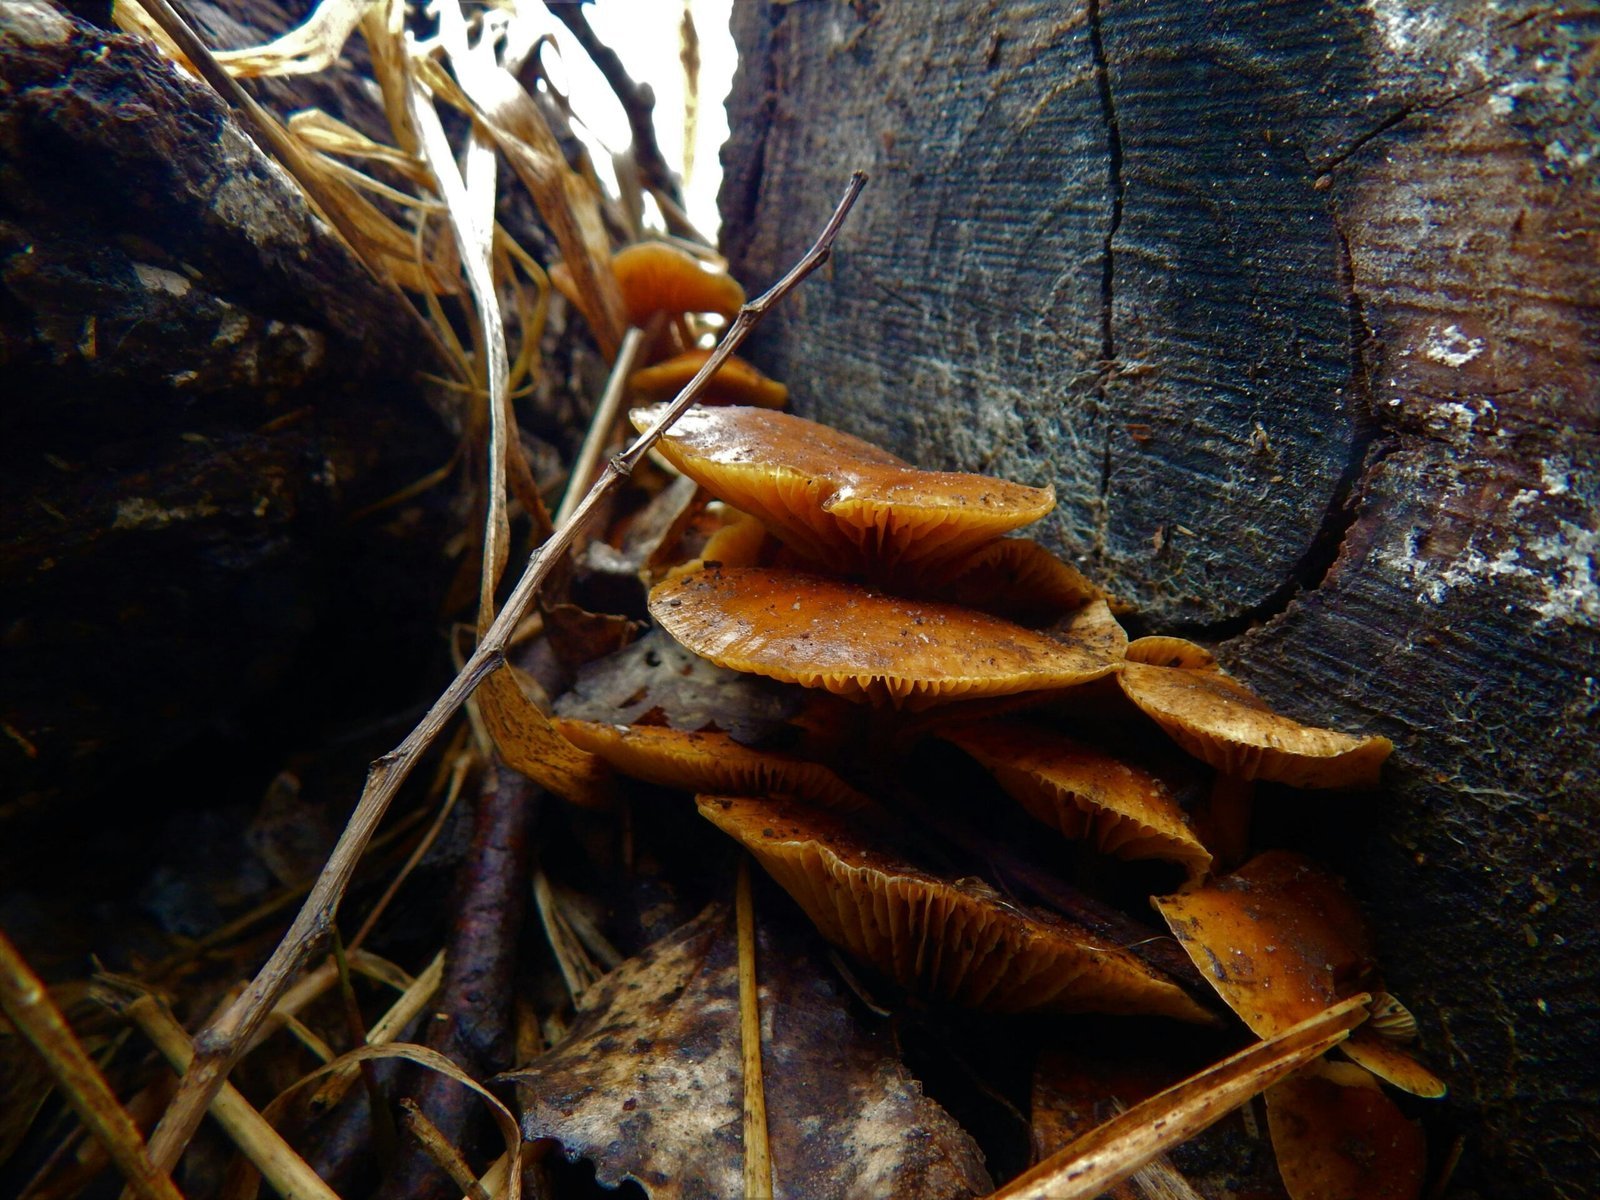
1228	815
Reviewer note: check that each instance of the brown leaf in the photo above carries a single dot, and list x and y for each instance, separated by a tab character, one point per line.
649	1085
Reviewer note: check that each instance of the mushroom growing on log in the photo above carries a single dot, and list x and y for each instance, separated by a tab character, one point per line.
1295	306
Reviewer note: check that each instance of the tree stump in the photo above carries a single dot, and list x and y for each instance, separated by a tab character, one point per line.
1296	306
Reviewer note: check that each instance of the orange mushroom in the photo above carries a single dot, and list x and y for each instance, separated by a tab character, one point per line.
1017	579
1280	941
1120	808
1223	723
822	632
957	940
707	761
735	382
838	501
656	277
1338	1137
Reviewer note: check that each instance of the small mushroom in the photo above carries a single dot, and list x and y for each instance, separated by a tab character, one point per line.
1223	723
826	633
707	761
656	277
1338	1137
956	940
1280	941
1120	808
739	541
838	501
735	382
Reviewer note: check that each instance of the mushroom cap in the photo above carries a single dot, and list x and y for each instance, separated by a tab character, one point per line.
1337	1135
839	501
1221	722
657	277
735	381
1018	579
823	632
956	940
1278	939
1391	1063
1120	808
707	761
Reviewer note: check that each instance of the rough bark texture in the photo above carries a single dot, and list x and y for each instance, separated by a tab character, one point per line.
1296	305
201	387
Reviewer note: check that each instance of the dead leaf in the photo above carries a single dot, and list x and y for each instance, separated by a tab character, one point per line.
649	1085
658	679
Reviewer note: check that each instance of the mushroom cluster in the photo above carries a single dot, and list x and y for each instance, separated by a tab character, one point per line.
903	597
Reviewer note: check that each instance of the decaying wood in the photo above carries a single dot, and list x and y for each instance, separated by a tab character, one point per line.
201	388
1296	306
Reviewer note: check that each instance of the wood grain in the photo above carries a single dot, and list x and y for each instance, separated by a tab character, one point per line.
1297	306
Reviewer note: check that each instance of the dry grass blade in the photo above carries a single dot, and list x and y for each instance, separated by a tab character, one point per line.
309	47
432	1060
221	1043
385	1029
605	418
250	1131
27	1004
1088	1166
438	1148
469	208
458	775
355	219
757	1149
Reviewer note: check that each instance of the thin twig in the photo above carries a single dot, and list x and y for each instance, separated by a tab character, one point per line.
458	775
27	1003
605	417
259	1142
1111	1152
757	1149
440	1152
219	1046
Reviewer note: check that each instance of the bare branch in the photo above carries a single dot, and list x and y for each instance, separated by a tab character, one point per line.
220	1044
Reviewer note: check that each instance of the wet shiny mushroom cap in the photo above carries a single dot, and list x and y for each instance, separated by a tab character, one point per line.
957	940
1119	807
1221	722
822	632
838	501
735	382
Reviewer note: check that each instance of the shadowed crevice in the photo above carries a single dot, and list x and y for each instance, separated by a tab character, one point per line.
1368	447
1108	344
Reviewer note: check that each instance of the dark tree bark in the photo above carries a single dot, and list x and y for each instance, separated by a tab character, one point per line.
201	386
1296	305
